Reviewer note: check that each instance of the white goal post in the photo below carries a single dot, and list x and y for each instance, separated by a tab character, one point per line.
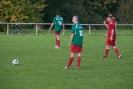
36	24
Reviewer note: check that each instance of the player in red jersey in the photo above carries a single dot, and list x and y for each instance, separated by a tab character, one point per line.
111	38
106	22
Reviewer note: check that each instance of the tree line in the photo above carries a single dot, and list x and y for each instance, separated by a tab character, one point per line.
89	11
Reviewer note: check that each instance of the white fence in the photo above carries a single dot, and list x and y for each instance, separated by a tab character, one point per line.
36	24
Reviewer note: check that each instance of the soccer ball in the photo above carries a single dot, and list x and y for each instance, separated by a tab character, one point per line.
15	62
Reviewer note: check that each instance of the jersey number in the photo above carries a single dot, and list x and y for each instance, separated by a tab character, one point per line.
60	22
81	33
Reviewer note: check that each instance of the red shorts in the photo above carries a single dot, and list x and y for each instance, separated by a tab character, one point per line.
111	43
76	49
56	33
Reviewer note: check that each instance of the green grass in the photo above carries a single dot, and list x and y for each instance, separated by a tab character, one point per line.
42	67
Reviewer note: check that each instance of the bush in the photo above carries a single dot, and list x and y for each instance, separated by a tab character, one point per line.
1	28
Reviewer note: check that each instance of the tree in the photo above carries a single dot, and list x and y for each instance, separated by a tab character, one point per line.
67	8
125	13
21	11
52	7
89	11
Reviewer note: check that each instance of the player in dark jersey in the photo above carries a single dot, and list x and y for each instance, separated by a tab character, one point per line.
76	42
58	23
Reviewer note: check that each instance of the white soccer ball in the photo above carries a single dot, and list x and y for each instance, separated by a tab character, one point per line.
15	62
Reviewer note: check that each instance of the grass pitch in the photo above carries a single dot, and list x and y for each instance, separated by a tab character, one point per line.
42	67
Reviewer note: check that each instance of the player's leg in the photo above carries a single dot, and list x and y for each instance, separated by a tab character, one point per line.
106	52
117	51
106	49
79	50
57	39
70	60
115	33
78	61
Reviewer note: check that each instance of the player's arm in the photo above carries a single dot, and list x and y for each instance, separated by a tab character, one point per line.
63	28
115	21
115	24
105	35
104	22
51	26
72	35
112	33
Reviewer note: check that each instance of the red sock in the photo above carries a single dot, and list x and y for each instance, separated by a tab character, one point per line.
56	42
117	51
106	52
78	61
70	61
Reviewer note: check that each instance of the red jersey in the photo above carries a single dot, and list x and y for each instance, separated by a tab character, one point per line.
111	26
113	19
